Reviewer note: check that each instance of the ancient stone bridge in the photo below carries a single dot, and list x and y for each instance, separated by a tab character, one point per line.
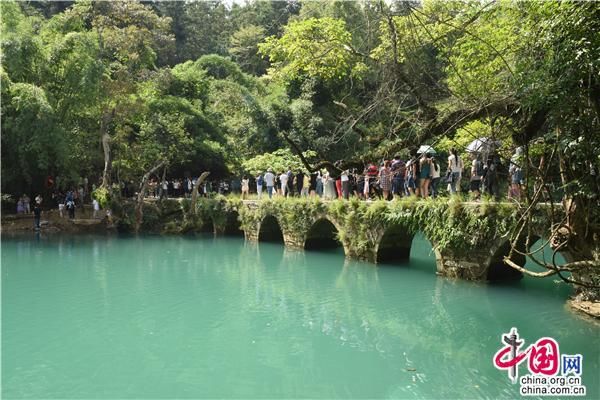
470	240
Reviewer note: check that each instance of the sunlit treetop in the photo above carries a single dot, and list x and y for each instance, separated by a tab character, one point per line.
315	47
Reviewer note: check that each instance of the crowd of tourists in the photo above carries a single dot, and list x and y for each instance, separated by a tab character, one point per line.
183	187
420	175
75	198
175	187
67	203
24	207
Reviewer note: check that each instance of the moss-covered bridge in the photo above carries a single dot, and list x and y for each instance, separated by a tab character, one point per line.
470	240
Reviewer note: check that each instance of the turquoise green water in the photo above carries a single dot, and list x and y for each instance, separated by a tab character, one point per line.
173	317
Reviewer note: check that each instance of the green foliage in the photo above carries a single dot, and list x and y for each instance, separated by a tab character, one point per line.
22	50
174	216
32	140
279	161
465	135
172	208
124	217
8	203
199	27
244	49
271	15
359	225
102	195
315	47
221	68
132	34
451	224
189	80
99	67
481	63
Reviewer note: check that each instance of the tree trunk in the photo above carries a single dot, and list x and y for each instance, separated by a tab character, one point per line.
139	206
581	241
160	185
107	160
199	182
105	136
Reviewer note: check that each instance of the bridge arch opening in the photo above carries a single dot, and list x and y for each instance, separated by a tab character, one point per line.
422	255
232	225
541	250
322	235
498	270
395	245
270	231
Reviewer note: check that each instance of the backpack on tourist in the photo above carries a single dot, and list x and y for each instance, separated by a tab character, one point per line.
399	168
372	170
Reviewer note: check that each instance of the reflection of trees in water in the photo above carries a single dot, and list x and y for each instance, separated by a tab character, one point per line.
341	303
295	291
267	284
266	292
451	295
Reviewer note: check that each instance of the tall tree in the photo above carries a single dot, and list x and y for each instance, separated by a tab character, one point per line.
129	35
200	27
244	49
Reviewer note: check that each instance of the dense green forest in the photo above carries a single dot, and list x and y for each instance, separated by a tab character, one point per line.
109	89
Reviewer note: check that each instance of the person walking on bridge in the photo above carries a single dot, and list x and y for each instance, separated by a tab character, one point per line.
385	179
490	179
245	187
345	179
300	182
270	182
516	174
283	178
27	204
435	176
476	176
259	185
318	184
424	175
305	185
290	183
455	168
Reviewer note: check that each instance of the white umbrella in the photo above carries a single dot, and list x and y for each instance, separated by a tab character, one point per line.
426	149
483	145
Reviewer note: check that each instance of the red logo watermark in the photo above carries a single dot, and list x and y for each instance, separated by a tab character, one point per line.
544	364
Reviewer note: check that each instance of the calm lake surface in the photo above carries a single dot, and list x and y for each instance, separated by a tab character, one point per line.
189	317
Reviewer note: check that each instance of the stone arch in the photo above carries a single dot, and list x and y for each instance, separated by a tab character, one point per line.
497	269
323	234
568	257
233	225
270	230
394	245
